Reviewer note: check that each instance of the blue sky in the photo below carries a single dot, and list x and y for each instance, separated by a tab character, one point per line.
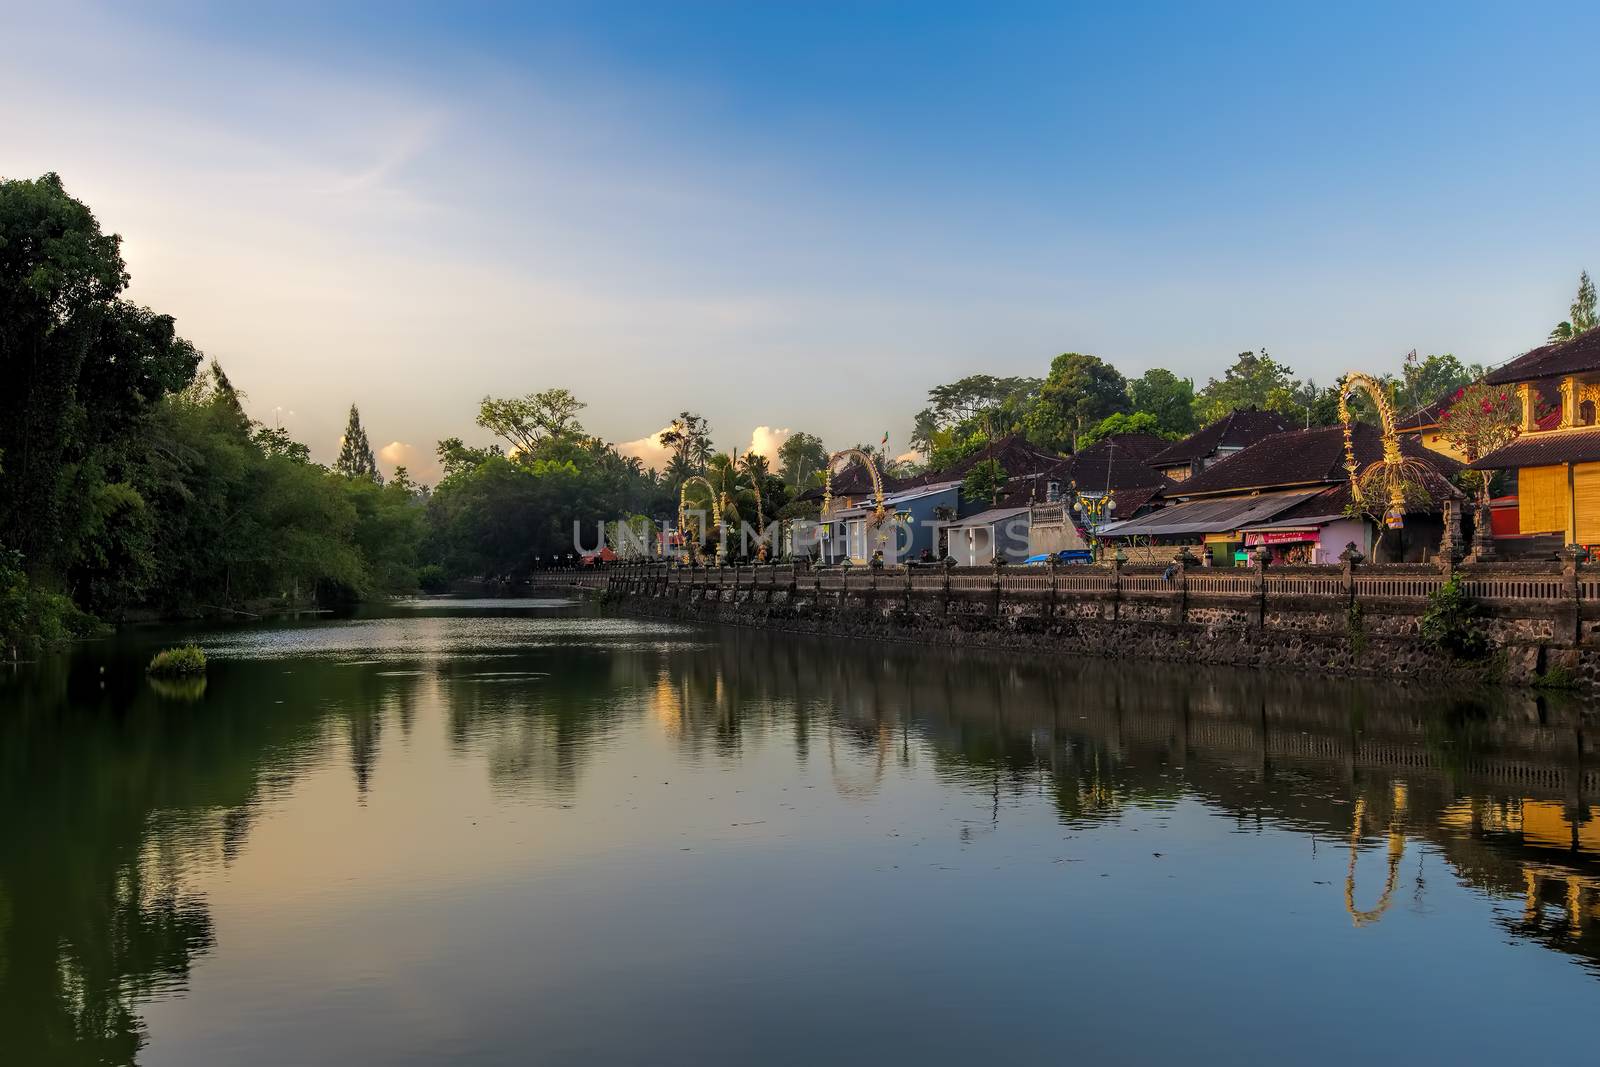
803	216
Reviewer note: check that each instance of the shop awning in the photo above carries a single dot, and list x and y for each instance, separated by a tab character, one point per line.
1299	524
1209	516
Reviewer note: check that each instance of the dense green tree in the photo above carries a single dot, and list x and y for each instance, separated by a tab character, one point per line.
984	482
1427	380
355	452
529	422
1254	380
978	403
689	440
1167	398
1079	391
455	456
1582	316
83	370
800	458
1121	423
949	447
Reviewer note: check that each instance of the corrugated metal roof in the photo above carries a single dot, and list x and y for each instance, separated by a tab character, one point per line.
986	518
1208	516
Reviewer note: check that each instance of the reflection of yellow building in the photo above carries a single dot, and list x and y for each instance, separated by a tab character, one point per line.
1540	822
1545	824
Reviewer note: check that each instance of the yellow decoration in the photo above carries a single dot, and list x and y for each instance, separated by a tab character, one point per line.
1397	851
879	512
1395	466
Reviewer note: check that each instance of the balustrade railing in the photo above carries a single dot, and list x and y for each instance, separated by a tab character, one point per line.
1397	586
1310	585
1528	583
1516	587
1222	584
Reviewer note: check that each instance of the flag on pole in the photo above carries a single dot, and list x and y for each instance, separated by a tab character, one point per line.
885	442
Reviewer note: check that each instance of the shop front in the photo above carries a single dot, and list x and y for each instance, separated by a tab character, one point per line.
1321	539
1285	547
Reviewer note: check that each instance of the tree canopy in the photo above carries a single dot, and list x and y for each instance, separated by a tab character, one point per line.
1079	391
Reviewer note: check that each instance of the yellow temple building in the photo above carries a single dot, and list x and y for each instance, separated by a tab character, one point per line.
1557	469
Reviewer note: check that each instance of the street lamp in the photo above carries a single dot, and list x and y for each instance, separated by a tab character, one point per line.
1095	511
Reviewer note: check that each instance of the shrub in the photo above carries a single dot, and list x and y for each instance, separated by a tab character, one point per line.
433	579
172	662
1452	621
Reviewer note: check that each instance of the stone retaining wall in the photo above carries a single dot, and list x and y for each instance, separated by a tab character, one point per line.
1370	635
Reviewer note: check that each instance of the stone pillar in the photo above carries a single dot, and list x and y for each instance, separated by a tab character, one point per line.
1450	539
1483	550
1566	628
1180	585
994	587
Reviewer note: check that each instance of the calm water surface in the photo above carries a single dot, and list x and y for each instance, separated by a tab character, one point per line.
482	833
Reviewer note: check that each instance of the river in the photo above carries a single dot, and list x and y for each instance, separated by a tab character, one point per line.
521	832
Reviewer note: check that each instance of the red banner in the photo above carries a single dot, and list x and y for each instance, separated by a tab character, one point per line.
1280	537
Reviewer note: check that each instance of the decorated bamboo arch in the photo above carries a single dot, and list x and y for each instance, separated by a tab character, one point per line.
879	512
683	507
1395	468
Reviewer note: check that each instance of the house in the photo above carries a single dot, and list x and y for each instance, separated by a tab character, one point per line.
1032	473
1112	479
1290	493
1556	460
1234	432
979	539
915	516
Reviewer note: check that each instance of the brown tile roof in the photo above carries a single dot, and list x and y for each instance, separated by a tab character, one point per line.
1303	457
1129	501
1019	458
1577	356
1425	417
1239	428
1545	449
1122	460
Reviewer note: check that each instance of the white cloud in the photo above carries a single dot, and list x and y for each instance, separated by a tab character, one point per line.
765	441
648	448
399	454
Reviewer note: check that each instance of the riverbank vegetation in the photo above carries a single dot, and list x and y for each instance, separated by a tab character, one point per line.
134	483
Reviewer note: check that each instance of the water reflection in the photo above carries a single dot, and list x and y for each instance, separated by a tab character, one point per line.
118	797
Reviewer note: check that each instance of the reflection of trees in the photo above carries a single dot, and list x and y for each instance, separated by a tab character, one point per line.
1344	761
112	796
536	730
